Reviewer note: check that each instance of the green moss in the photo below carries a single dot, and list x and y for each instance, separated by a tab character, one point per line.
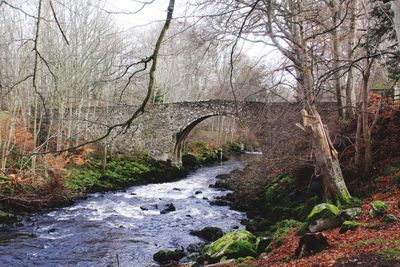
391	253
282	229
348	226
322	211
279	203
396	179
378	208
243	259
189	161
119	172
232	245
6	217
389	170
378	241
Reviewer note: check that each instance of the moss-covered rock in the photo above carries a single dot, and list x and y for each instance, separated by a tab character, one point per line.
378	208
243	259
389	218
348	226
281	198
6	217
323	211
322	217
231	246
350	214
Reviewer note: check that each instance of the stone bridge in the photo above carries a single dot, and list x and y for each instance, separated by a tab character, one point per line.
162	129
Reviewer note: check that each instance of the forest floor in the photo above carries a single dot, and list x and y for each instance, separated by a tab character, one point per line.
374	243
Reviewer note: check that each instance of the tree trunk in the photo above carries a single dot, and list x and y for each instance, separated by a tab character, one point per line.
351	40
327	162
396	19
336	49
365	127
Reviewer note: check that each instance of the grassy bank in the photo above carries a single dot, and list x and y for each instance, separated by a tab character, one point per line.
119	172
78	177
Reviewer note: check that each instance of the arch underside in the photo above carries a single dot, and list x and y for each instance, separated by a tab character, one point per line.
182	135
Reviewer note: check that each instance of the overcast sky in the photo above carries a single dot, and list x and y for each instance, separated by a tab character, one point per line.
151	13
156	12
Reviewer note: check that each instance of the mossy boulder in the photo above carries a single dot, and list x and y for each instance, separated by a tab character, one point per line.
231	246
378	208
350	214
348	226
389	218
7	218
322	217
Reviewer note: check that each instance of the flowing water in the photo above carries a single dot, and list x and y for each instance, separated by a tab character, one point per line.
111	229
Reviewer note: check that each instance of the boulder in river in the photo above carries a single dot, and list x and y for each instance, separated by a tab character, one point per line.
221	184
222	176
167	208
208	233
168	256
220	202
198	192
149	207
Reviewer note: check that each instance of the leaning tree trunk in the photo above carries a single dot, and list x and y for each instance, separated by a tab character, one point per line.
326	156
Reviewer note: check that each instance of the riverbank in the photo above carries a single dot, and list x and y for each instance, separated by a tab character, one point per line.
92	174
281	206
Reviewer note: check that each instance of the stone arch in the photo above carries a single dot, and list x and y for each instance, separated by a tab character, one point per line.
181	136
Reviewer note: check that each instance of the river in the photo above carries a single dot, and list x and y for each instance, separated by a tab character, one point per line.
111	229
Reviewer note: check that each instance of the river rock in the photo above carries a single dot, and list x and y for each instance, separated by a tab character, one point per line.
149	207
168	256
208	233
220	202
195	247
231	246
221	184
198	192
176	189
168	208
222	176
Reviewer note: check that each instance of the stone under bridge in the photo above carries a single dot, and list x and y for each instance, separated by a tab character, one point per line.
162	129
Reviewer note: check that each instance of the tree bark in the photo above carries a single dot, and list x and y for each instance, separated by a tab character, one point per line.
326	157
396	19
350	54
